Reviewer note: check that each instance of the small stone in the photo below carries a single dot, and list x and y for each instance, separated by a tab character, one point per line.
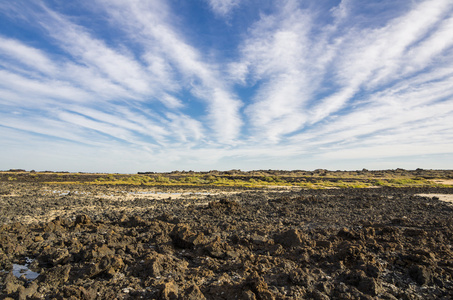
194	293
57	275
421	274
248	295
170	291
290	238
324	244
11	284
82	220
317	295
38	238
370	286
24	293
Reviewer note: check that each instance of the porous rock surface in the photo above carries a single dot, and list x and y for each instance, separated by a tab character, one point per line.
96	243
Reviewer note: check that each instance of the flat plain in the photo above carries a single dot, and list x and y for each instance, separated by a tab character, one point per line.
227	235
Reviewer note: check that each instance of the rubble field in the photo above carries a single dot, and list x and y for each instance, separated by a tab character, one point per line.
62	241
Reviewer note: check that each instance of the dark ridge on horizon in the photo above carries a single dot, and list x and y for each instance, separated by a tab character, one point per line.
233	171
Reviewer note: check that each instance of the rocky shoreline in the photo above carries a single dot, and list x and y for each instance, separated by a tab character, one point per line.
100	242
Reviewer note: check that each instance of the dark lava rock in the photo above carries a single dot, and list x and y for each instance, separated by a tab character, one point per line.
193	293
291	238
225	204
382	243
421	274
259	287
56	276
371	286
82	220
184	237
170	291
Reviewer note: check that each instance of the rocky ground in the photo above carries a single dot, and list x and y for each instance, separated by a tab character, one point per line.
100	242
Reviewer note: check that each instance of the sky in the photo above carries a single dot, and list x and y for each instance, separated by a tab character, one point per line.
162	85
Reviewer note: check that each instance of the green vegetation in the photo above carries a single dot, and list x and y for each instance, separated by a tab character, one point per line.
254	182
401	182
317	179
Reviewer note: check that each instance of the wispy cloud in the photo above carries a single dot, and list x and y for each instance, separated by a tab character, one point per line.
42	88
153	30
223	7
24	55
94	68
294	68
277	57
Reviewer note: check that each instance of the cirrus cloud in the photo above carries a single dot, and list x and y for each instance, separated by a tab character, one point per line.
303	85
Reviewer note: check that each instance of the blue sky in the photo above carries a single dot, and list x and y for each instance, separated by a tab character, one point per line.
127	86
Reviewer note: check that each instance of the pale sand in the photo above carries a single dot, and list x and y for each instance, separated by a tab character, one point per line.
442	197
160	195
443	181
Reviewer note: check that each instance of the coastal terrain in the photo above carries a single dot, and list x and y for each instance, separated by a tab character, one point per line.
227	235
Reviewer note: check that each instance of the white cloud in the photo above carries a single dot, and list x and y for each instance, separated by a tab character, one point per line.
26	55
125	121
394	41
94	73
34	72
428	50
336	89
92	81
102	127
293	64
185	128
31	89
224	115
279	109
277	57
154	31
170	101
223	7
341	11
396	117
369	58
45	127
119	67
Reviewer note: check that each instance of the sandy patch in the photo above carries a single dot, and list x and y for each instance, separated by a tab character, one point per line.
129	196
442	197
443	181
